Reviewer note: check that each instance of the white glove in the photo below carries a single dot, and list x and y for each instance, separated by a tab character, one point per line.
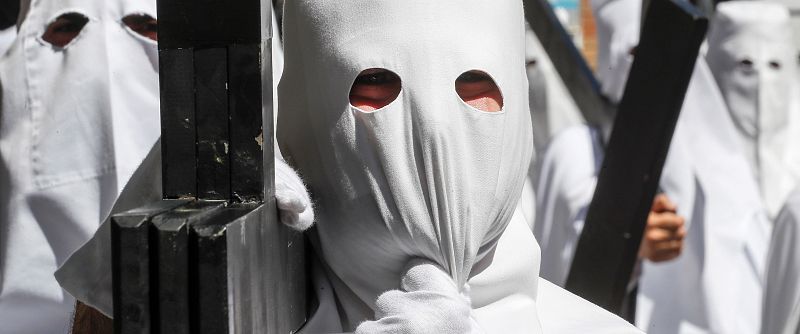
429	303
294	203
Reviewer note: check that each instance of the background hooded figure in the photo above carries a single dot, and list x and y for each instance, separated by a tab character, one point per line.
79	113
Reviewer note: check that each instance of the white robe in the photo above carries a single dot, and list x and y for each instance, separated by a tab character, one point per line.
552	110
782	291
7	37
555	311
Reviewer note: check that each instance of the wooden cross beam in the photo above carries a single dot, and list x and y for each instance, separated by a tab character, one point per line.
606	252
211	257
569	63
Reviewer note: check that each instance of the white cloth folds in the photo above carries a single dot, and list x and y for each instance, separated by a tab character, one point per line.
782	292
7	37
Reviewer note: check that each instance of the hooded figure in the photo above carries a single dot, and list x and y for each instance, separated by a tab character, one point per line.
552	110
618	27
727	227
86	274
79	113
413	197
707	178
728	223
754	61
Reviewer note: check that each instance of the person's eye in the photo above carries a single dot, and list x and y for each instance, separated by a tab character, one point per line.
376	77
775	65
374	89
64	29
142	24
746	64
474	76
478	89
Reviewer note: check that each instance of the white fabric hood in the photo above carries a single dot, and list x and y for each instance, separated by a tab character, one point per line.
752	57
76	122
426	176
618	25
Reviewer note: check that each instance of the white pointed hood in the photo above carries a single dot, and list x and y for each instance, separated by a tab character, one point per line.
76	122
618	25
426	176
752	56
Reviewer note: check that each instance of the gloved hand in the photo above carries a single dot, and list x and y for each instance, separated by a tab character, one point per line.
429	302
294	203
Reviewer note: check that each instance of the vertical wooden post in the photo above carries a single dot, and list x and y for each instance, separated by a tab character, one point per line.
628	181
211	257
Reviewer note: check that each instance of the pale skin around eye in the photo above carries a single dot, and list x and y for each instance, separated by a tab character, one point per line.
375	88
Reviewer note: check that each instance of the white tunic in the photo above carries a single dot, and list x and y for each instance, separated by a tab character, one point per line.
552	110
782	292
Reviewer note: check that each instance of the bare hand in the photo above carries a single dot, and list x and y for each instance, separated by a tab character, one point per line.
664	233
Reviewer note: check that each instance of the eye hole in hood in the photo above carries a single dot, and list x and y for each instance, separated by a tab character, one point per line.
478	89
374	88
746	64
142	24
64	29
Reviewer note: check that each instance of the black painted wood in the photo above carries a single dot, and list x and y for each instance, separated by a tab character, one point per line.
222	263
130	255
9	11
169	239
211	110
569	63
628	181
245	104
209	268
208	23
178	133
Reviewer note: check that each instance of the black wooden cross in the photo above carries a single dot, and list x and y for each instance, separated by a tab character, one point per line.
570	64
646	117
211	257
